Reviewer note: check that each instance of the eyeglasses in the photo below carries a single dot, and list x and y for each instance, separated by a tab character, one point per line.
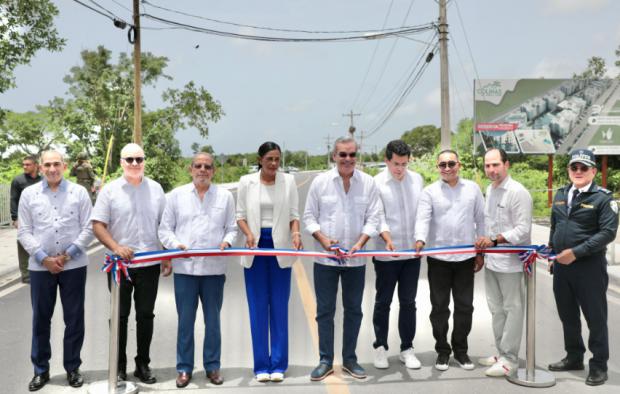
131	160
449	164
580	168
201	166
343	155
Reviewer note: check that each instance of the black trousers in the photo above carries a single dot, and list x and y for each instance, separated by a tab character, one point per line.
583	284
405	273
456	277
143	285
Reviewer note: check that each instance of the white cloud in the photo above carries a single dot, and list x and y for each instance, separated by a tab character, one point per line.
257	47
300	106
569	6
433	99
553	68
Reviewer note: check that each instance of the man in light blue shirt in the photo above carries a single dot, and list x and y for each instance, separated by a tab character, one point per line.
199	215
55	230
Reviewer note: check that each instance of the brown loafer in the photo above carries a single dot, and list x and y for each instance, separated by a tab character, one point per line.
183	379
215	377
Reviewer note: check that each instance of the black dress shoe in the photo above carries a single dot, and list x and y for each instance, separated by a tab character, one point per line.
38	381
321	372
566	365
143	372
122	376
596	377
75	378
183	379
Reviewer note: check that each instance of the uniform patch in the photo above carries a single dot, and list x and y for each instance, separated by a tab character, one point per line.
559	203
614	206
587	206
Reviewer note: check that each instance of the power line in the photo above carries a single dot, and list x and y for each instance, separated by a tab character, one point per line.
384	29
458	55
358	37
458	12
385	63
372	58
95	10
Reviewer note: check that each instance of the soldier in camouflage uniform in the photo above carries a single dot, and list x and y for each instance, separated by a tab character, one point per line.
83	171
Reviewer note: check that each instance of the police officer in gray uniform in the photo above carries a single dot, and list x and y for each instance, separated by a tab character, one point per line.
584	220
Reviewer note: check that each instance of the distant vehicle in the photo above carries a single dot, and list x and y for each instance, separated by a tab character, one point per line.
596	110
254	168
290	169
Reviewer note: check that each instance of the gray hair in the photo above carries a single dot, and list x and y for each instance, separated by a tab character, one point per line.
49	152
344	140
203	154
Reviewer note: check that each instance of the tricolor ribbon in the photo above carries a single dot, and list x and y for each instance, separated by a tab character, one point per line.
115	265
528	255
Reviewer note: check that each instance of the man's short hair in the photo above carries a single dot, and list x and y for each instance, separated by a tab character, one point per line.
397	147
52	151
502	154
344	140
31	158
448	151
203	154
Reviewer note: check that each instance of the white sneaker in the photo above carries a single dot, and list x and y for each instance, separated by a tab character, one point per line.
262	377
409	358
500	368
381	361
277	377
488	361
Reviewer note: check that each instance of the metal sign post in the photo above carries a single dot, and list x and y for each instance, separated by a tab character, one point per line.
530	376
112	385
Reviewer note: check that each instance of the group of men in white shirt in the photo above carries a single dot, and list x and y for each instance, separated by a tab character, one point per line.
344	209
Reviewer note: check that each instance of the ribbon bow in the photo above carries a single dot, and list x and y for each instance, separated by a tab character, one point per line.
116	265
528	257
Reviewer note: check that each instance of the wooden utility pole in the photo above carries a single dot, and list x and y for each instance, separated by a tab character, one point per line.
328	140
137	90
444	75
351	126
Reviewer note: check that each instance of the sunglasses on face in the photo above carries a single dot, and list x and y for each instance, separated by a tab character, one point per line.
202	166
577	167
131	160
343	155
449	164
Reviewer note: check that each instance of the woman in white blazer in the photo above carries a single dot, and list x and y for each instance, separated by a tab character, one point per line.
268	216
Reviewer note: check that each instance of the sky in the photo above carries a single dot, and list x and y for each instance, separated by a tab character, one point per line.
296	93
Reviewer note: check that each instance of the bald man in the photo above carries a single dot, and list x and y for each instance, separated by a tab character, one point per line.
125	219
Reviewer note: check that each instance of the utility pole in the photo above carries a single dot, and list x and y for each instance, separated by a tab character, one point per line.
137	106
361	150
328	149
351	126
445	88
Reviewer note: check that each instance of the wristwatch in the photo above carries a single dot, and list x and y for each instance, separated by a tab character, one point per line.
494	240
67	257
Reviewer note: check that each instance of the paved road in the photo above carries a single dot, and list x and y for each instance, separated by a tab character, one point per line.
16	370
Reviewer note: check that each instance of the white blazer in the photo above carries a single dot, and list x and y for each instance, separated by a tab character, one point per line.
285	210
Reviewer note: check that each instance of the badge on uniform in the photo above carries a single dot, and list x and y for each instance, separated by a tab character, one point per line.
614	206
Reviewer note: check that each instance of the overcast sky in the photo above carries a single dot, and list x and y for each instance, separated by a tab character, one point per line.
295	93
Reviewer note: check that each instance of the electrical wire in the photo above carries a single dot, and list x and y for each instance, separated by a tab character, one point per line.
359	37
385	63
384	29
458	12
372	58
458	55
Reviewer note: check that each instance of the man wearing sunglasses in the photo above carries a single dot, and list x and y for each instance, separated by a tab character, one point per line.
508	221
199	215
451	213
55	229
342	208
125	219
584	219
400	190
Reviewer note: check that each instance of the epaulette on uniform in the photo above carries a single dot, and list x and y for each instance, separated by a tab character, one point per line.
602	189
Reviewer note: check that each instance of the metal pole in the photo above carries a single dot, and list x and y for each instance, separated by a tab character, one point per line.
112	385
137	106
530	376
444	75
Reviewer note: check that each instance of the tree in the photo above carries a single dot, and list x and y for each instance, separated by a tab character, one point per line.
29	133
26	26
205	148
596	69
100	105
422	139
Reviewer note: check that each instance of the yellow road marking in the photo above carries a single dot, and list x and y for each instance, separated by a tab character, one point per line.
333	383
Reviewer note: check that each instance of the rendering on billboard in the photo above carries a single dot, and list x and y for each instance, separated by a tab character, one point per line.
540	116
